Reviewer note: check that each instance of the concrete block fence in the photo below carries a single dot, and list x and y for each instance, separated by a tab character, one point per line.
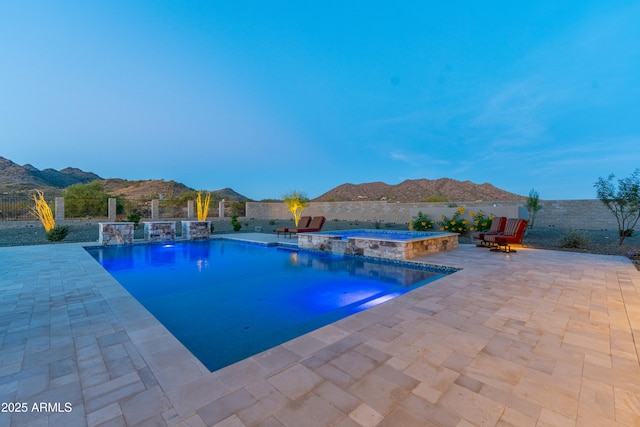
563	214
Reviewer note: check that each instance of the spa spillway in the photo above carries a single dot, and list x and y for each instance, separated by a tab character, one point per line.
388	244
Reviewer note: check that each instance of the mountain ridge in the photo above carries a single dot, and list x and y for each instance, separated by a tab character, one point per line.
16	179
418	190
24	179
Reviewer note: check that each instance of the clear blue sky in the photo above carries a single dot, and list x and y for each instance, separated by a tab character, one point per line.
268	97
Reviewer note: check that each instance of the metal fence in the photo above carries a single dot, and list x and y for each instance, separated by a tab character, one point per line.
17	208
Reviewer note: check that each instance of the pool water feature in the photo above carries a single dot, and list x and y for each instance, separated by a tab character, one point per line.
226	300
388	244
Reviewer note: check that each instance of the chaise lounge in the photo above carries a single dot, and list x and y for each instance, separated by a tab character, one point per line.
303	222
513	233
497	227
316	225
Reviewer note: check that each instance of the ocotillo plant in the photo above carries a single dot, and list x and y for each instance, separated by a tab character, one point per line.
203	206
43	211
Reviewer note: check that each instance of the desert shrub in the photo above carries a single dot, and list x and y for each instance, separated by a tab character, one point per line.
57	233
134	217
272	222
626	233
574	240
435	198
455	224
421	222
235	223
88	200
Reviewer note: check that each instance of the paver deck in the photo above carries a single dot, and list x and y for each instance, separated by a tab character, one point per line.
534	338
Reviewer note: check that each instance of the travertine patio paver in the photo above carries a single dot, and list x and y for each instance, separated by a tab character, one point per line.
534	338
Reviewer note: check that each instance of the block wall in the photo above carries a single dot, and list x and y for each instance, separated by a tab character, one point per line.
564	214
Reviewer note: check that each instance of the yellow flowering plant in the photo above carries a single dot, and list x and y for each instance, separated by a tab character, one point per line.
421	222
481	221
455	224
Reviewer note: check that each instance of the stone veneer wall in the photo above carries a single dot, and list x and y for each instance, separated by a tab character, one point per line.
195	230
396	250
160	231
115	233
564	214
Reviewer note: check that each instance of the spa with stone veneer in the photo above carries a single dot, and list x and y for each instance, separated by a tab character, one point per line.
387	244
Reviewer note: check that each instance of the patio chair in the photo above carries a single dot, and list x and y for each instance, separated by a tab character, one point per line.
302	222
497	226
316	225
513	233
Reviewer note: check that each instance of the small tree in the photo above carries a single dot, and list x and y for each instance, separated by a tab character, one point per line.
533	205
296	202
623	201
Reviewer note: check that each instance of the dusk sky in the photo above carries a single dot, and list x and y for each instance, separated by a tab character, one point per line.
268	97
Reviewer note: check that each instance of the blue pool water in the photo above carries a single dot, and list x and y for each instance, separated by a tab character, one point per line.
226	301
383	234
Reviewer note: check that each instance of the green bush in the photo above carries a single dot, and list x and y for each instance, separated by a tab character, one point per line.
235	223
574	240
436	198
421	222
57	233
626	233
135	217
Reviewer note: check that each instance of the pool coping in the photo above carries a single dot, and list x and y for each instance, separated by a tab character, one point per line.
440	352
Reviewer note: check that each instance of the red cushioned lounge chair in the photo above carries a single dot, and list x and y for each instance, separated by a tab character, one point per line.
513	233
316	225
497	226
303	222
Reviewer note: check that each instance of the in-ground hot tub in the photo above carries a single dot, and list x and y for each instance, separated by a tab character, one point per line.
388	244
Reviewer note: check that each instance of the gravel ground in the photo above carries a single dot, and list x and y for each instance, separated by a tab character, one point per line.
594	241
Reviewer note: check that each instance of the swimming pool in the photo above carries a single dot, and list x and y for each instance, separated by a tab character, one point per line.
226	301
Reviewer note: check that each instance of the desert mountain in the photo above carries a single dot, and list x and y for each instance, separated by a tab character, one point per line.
24	179
16	178
419	190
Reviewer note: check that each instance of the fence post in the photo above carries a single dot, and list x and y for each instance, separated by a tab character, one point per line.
155	209
221	209
112	209
190	211
59	209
